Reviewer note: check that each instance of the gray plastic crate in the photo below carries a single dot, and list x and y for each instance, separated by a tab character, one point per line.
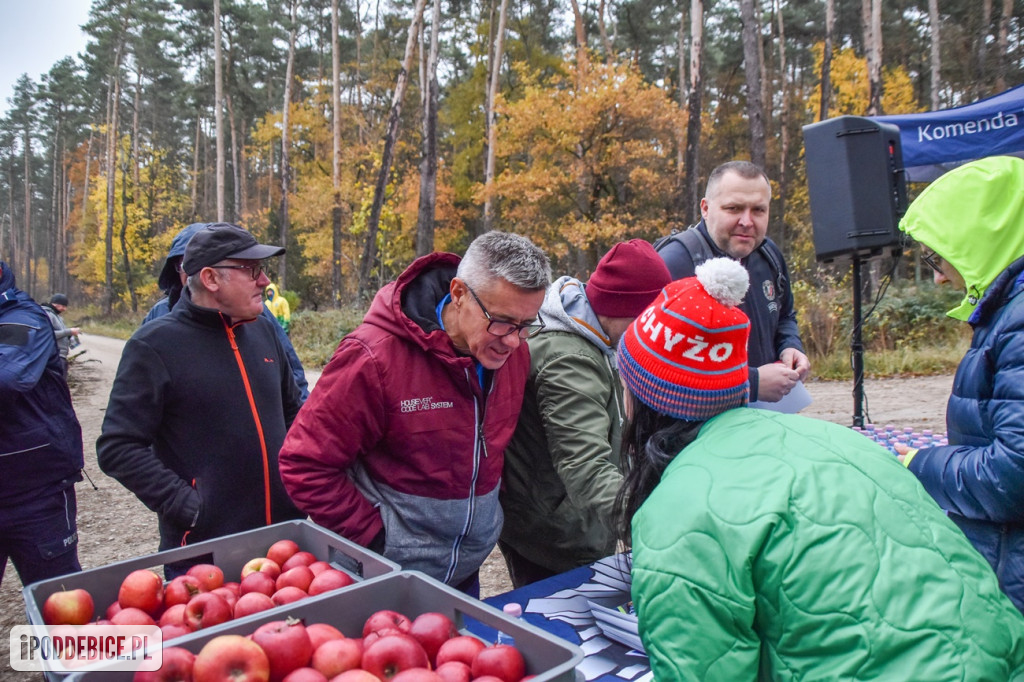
229	553
548	657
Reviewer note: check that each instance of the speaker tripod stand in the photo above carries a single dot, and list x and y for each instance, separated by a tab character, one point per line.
857	345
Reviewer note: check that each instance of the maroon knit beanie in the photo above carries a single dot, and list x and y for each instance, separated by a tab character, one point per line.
627	279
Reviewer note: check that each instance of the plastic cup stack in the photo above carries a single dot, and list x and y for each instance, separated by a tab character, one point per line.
889	436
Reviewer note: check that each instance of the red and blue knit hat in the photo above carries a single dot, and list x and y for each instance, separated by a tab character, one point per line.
686	355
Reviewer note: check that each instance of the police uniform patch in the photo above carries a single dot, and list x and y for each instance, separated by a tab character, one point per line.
768	287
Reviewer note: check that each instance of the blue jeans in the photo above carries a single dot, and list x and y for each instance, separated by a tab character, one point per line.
41	537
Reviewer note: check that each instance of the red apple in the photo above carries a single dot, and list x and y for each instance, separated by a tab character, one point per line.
258	581
454	671
304	675
431	630
227	594
299	576
173	630
298	559
287	595
322	632
69	607
282	550
176	666
331	579
286	644
392	654
132	616
111	610
142	589
231	657
205	610
386	618
209	576
357	675
236	588
487	678
263	565
417	675
181	589
172	616
502	661
251	603
462	648
319	567
335	656
377	634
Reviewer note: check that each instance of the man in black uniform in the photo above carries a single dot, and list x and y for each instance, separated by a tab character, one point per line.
734	223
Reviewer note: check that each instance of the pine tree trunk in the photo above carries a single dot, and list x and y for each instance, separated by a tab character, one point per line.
286	146
218	108
336	157
826	60
1002	44
752	69
873	46
497	56
428	166
108	240
936	53
373	221
693	124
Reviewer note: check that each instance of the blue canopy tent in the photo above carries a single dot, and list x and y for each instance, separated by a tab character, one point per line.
938	141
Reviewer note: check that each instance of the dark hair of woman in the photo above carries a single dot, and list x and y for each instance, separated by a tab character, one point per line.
649	442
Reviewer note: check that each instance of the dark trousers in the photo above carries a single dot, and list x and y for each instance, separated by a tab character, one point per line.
41	537
521	570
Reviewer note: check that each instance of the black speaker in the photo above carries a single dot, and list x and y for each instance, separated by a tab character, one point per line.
857	186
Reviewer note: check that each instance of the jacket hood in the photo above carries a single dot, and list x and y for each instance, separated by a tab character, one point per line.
566	309
271	290
973	217
407	307
168	275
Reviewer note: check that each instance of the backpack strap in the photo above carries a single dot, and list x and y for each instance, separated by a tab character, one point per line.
697	246
692	240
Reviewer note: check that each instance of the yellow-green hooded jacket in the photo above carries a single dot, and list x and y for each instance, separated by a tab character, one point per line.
973	217
278	305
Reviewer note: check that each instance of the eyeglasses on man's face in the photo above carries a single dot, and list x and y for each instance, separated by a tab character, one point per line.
525	330
255	269
933	260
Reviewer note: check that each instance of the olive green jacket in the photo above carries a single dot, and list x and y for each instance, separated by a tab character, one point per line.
561	470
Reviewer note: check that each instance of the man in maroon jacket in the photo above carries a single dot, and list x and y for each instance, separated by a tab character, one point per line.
400	446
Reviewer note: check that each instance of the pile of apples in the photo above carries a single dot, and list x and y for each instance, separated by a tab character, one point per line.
200	598
392	649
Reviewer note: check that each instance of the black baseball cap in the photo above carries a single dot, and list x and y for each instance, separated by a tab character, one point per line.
218	241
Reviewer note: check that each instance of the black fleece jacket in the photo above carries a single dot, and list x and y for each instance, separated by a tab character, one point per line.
181	432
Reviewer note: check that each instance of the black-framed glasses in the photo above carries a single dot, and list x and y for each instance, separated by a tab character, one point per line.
933	260
525	330
256	269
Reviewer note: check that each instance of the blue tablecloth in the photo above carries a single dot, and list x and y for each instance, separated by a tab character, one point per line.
561	605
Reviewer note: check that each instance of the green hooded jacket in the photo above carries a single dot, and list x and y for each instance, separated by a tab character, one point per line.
983	201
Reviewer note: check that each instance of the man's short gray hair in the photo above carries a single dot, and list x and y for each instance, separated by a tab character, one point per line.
744	169
511	257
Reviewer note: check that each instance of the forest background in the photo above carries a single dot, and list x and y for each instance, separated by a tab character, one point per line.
360	135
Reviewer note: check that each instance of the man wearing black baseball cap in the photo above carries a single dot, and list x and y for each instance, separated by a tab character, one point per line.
203	398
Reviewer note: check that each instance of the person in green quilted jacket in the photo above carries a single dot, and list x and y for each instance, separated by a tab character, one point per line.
777	547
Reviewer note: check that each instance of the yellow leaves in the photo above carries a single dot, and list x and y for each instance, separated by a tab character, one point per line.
851	89
587	159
